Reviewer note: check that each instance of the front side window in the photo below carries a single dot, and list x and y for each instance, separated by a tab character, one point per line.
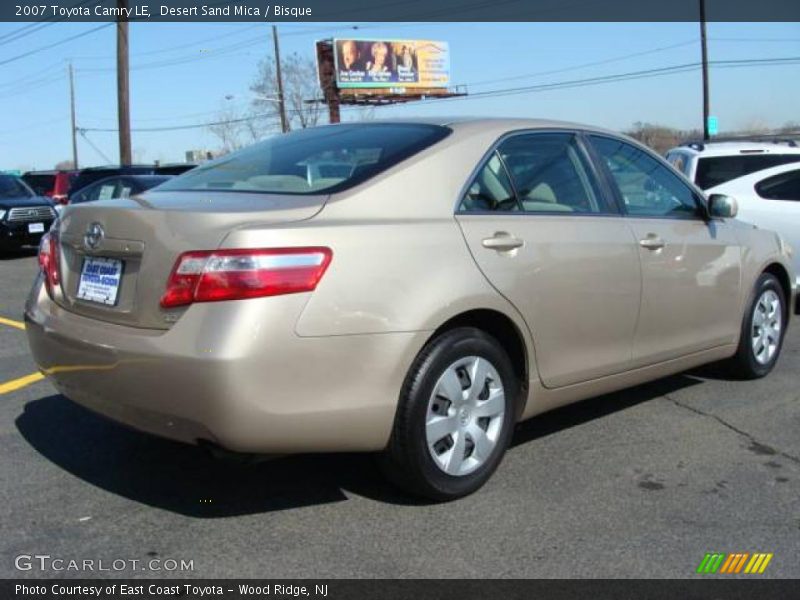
785	186
647	187
312	161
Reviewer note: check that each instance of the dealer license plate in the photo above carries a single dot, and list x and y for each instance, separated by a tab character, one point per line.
100	279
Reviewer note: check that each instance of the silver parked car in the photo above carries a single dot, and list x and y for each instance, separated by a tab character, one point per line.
410	288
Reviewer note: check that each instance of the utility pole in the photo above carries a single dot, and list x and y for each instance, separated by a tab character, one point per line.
704	47
282	102
72	115
123	97
327	80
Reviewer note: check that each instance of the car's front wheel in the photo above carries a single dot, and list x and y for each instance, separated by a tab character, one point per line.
455	416
763	328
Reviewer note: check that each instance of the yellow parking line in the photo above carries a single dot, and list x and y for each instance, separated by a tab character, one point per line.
15	384
10	323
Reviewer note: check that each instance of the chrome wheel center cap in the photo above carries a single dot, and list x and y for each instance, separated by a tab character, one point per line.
463	415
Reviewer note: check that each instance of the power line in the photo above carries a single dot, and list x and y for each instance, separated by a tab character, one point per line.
54	44
181	127
574	83
213	53
31	28
173	48
584	65
31	76
34	85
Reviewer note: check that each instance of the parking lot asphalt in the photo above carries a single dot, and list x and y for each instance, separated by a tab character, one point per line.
640	483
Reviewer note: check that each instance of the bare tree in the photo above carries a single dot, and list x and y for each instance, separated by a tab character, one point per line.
236	128
227	126
300	84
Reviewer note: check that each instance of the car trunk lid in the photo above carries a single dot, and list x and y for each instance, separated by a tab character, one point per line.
146	234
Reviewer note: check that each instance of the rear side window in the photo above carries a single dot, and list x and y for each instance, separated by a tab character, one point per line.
491	189
312	161
549	174
536	173
714	170
785	186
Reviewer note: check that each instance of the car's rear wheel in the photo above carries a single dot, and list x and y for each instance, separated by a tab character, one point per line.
455	416
763	328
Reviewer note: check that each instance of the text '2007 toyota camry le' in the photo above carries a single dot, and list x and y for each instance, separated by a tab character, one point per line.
411	288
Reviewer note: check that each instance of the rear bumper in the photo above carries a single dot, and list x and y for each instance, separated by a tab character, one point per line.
237	376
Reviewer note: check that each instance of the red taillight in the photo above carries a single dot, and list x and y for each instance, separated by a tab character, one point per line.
48	260
209	276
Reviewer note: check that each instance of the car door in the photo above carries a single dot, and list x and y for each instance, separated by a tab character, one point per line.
691	265
546	235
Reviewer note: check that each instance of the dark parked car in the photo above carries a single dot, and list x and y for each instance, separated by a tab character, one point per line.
117	186
53	184
24	216
92	174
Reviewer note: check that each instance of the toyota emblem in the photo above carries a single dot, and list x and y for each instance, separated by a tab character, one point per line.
94	235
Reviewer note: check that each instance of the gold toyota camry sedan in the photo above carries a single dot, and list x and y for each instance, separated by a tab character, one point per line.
412	288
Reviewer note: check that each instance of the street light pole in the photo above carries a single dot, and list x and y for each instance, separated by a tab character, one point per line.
282	102
123	97
704	47
72	118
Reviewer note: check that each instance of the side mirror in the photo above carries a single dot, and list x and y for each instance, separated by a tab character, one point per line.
722	207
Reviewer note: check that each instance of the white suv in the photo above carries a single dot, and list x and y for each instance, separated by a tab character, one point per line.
709	164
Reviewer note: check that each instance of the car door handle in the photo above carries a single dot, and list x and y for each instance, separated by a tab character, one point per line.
652	242
502	242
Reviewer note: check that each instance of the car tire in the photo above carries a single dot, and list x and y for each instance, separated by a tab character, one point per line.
763	329
455	416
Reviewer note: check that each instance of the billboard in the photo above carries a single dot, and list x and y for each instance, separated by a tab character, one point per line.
391	63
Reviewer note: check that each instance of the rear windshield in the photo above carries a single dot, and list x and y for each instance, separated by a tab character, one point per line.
41	184
312	161
715	170
12	187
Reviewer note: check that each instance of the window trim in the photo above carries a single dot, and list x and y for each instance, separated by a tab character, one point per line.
699	198
588	163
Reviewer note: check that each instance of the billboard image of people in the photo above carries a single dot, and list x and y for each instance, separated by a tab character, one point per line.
391	63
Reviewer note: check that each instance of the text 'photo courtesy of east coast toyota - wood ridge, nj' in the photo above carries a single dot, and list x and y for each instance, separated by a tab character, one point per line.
453	300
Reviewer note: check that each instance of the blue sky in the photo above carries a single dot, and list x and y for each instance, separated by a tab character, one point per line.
34	106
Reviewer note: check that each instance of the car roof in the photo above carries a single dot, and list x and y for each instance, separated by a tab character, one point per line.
733	148
134	176
494	126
